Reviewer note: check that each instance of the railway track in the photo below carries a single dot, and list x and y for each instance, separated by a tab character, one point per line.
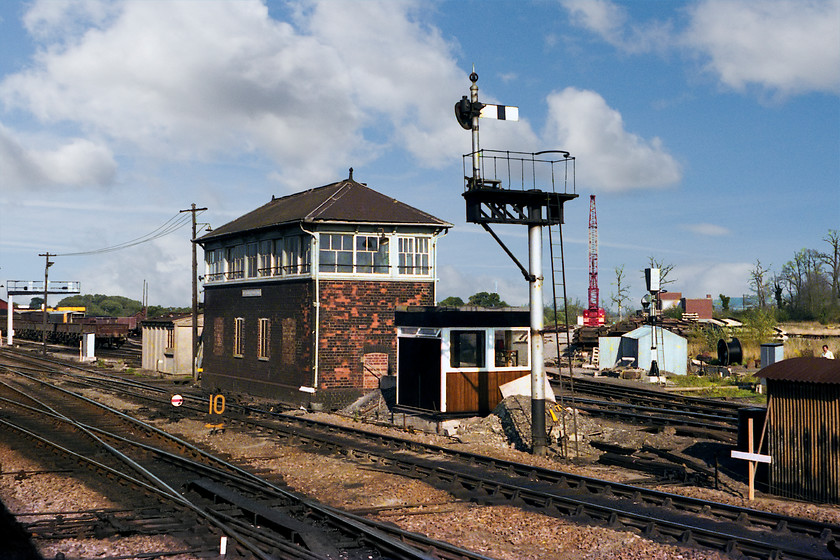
659	515
693	416
263	519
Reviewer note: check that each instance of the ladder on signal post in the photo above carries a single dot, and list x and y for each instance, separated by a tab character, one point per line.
559	296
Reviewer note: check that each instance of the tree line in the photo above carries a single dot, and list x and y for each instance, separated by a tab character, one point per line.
806	288
99	305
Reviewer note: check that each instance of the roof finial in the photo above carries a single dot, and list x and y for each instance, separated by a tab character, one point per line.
351	175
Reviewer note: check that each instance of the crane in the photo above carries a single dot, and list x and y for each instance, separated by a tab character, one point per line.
594	315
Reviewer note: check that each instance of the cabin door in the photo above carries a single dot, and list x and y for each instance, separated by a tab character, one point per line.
418	372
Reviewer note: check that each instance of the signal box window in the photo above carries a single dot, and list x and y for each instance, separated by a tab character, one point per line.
336	253
466	349
238	343
264	339
371	254
414	255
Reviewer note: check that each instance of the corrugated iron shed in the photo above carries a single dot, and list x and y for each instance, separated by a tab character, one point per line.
808	370
803	431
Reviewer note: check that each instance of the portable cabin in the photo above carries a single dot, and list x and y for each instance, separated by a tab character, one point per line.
803	428
300	293
636	349
166	344
455	360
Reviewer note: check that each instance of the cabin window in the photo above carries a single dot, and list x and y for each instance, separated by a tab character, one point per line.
238	342
511	347
466	349
264	336
215	265
414	255
235	262
336	254
265	257
251	260
295	255
371	254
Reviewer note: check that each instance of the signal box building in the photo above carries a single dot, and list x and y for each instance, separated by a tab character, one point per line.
300	294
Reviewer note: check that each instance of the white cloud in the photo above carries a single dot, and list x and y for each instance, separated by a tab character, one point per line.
165	264
707	229
78	162
600	16
698	279
610	21
610	158
197	80
786	46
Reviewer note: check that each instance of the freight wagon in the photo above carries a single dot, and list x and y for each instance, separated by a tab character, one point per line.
69	328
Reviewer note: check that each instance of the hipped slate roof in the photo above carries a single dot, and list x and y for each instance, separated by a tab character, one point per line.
342	202
809	370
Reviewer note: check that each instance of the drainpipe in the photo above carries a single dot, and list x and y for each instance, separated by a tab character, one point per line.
436	279
313	264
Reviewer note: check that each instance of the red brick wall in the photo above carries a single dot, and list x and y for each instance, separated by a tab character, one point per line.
703	307
357	318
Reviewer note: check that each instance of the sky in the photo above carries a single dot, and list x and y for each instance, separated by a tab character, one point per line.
708	130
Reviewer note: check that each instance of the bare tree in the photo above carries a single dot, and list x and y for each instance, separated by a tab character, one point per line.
832	260
622	290
806	283
758	283
664	270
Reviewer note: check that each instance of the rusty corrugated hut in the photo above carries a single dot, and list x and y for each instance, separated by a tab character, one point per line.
803	430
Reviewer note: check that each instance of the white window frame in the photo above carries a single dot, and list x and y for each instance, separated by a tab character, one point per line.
264	339
414	255
338	245
266	258
363	250
251	252
239	337
235	262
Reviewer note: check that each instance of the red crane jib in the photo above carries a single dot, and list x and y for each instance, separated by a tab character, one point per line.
594	315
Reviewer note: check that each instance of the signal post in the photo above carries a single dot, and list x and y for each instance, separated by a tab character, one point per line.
492	199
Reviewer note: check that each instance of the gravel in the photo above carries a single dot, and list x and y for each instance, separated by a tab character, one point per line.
500	532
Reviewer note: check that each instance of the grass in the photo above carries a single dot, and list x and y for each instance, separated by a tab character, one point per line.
712	386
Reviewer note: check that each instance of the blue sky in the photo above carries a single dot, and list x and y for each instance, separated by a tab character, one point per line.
708	130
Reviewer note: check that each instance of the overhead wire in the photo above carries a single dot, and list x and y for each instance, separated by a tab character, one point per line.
173	224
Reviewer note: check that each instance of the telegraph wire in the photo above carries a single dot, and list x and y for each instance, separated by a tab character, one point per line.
173	224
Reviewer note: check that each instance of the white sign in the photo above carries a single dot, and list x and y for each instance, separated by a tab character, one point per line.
751	457
177	400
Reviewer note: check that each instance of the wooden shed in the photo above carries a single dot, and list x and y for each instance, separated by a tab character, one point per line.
803	428
455	360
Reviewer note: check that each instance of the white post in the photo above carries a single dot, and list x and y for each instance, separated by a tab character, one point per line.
9	314
535	284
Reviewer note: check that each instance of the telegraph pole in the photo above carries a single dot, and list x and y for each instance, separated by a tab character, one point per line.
193	210
49	263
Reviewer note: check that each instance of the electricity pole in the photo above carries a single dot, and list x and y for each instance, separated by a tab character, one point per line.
193	210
